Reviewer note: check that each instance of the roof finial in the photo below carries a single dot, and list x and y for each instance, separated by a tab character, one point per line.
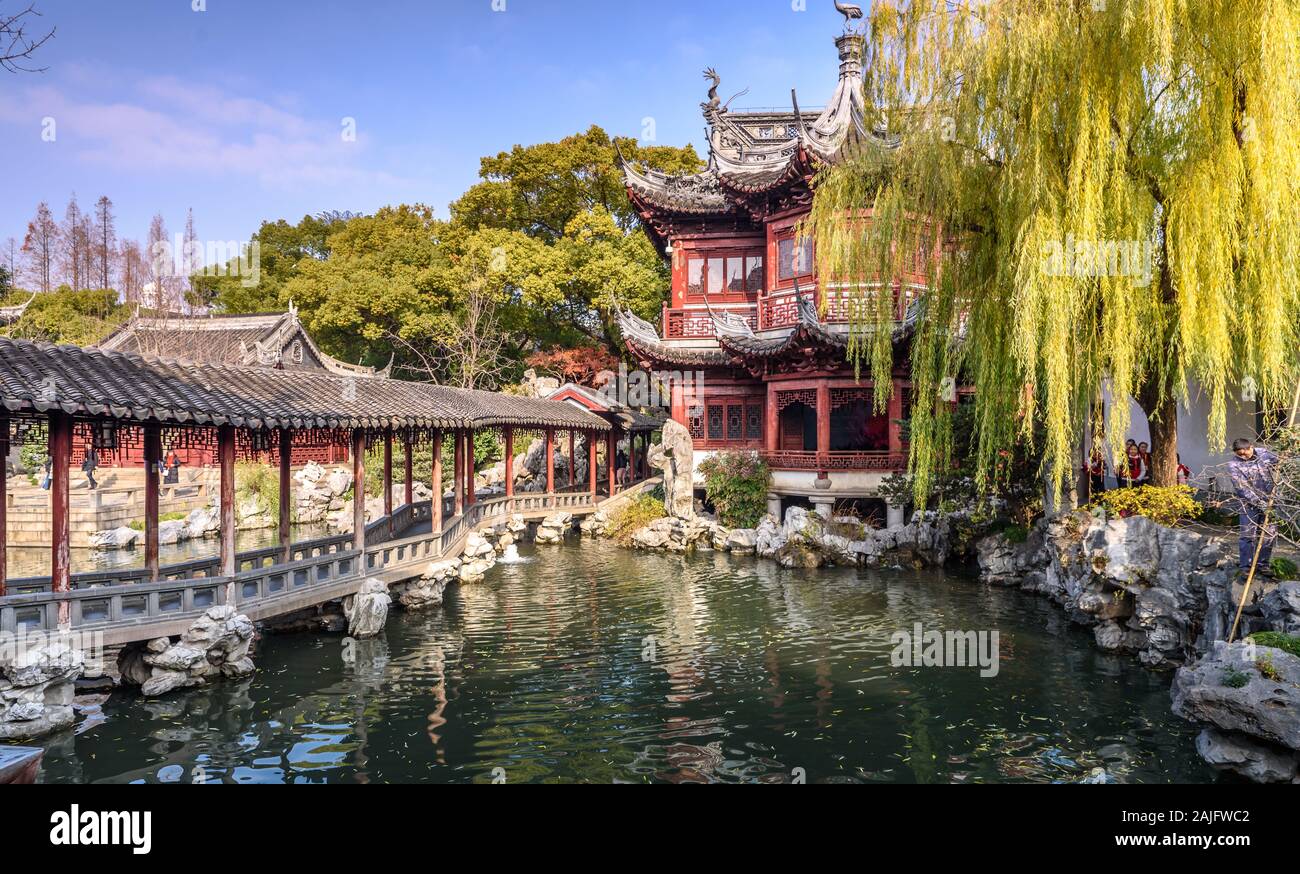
850	11
712	75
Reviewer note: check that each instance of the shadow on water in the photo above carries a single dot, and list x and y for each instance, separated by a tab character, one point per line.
591	663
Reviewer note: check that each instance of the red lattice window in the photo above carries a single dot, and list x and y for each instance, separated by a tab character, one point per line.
807	396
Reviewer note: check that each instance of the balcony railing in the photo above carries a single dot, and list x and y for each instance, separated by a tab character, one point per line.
780	459
685	324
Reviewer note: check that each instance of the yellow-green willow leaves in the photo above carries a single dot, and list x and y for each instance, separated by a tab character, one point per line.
1114	185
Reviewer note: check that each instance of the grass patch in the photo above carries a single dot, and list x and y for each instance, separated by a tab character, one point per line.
634	516
138	524
1284	569
1288	643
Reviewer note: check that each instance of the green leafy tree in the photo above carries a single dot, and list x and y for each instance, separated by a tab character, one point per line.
1113	190
67	316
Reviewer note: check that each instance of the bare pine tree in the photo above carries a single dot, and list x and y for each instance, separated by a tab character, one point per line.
41	246
134	272
105	240
72	256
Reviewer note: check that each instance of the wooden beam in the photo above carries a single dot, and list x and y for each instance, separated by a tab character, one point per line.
226	512
591	462
436	483
550	461
60	448
823	418
409	471
286	495
611	446
152	458
359	492
4	502
388	478
510	461
458	473
469	467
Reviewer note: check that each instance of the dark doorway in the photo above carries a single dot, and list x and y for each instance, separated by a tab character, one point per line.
854	428
798	428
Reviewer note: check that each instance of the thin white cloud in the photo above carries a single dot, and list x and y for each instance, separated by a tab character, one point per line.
168	124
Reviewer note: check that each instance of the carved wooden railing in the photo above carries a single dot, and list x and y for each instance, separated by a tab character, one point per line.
827	461
681	324
321	570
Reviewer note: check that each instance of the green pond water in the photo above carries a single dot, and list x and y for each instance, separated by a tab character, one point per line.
590	663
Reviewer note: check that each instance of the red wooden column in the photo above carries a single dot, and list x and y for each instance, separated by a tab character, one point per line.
286	495
152	456
550	461
388	478
469	467
573	456
458	473
823	421
510	461
591	461
60	447
226	512
611	447
436	484
359	492
895	414
408	470
4	502
771	421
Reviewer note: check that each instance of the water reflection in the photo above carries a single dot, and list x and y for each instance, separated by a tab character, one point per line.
590	663
31	561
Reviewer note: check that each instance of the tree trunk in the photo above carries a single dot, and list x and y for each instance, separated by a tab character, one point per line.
1162	420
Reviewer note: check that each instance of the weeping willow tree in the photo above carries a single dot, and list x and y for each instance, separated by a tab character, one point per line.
1110	191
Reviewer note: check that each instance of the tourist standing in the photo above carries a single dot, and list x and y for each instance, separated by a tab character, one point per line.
172	463
1135	472
1253	472
1096	471
89	465
1184	472
1145	451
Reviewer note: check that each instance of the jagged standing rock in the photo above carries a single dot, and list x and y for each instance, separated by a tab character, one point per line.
675	456
215	644
367	610
36	691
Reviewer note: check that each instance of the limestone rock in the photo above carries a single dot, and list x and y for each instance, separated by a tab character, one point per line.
1264	709
114	538
36	690
1247	758
367	610
675	456
215	644
429	589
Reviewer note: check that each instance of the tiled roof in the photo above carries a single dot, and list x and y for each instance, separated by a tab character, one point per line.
38	377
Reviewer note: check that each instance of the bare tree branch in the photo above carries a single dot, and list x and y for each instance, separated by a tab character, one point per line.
17	44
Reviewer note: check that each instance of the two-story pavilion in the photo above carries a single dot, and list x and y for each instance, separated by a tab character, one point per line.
749	311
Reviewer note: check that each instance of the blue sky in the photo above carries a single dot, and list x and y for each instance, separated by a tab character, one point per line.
237	111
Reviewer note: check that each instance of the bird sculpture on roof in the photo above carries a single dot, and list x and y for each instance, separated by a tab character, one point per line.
850	11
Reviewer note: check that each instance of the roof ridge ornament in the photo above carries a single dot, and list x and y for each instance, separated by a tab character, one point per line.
728	324
851	13
10	315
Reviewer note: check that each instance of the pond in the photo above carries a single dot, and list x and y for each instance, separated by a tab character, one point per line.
591	663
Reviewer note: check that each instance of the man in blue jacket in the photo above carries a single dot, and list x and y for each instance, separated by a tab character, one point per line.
1254	474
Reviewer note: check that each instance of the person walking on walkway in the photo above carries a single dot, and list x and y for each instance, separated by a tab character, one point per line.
1253	472
89	465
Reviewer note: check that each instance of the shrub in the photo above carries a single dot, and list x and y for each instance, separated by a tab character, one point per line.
737	483
1267	670
1016	533
138	524
260	482
1284	569
1288	643
1164	505
1235	678
635	515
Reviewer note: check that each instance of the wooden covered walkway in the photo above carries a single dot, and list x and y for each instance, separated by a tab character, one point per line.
68	396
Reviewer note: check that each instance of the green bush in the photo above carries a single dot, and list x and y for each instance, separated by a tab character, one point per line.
634	515
1284	569
1277	640
1164	505
259	482
737	484
138	524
